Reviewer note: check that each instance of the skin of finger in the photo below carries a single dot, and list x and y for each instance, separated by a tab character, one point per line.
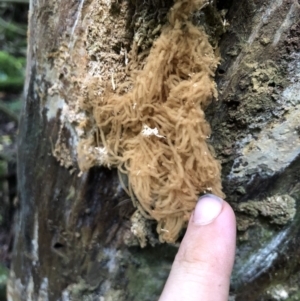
203	264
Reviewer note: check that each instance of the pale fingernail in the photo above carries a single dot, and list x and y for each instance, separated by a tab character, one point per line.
207	209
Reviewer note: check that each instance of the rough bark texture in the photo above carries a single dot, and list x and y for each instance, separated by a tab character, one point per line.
73	233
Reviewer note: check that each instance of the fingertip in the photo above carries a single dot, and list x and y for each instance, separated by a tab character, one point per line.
203	264
214	234
207	209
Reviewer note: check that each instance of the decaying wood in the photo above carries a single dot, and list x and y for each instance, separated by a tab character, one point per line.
73	232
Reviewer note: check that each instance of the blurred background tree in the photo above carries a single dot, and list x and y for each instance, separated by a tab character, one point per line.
13	32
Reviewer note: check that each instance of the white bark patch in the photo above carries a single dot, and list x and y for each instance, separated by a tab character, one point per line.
53	105
288	21
54	102
279	293
78	17
278	144
81	291
30	290
71	118
15	289
74	120
276	147
66	295
111	259
263	259
264	17
35	240
43	292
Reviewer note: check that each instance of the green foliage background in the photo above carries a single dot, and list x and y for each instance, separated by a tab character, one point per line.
13	34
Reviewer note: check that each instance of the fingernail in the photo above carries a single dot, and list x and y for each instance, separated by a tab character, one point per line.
207	209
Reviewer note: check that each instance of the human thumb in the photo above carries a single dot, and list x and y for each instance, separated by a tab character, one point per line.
203	265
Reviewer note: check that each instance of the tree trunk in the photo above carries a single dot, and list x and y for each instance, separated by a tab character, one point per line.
73	238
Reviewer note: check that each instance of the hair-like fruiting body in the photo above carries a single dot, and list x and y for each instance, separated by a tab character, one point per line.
157	133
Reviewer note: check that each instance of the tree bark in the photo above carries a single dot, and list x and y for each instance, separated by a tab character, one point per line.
73	238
